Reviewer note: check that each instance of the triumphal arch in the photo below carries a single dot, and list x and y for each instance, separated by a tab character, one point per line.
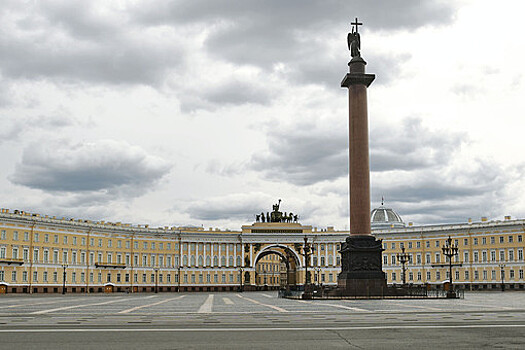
300	248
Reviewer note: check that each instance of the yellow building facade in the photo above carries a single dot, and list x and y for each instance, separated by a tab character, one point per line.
36	251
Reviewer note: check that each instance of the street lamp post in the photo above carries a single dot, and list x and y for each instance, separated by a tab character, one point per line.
178	278
307	251
64	266
502	273
156	280
403	259
450	250
240	279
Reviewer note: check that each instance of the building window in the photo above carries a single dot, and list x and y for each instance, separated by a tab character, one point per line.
26	236
118	277
385	260
493	274
13	276
152	278
393	245
418	244
35	276
208	278
429	277
136	277
55	276
419	276
161	278
465	241
99	277
484	240
511	239
168	278
144	280
492	240
485	274
15	235
475	241
411	276
484	256
467	276
185	278
501	255
409	245
438	258
501	239
437	244
520	238
476	256
465	256
511	274
457	275
108	277
493	255
428	244
520	254
216	278
521	274
2	276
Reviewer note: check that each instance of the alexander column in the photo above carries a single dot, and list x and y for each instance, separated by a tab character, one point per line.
361	253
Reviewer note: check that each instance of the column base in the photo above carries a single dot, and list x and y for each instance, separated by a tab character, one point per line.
362	273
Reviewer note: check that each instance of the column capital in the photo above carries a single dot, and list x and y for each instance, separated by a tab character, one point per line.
357	78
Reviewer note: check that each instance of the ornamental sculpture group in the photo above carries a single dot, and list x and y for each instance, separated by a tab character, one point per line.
276	215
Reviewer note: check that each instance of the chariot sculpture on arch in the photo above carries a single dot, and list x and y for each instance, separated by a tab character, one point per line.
277	216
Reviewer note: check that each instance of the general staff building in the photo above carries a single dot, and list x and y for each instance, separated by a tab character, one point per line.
42	254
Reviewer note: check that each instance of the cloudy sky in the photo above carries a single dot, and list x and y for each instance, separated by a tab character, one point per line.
207	112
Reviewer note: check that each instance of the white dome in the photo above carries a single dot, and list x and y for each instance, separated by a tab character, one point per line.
385	218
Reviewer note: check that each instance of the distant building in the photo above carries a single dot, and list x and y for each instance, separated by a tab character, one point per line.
100	256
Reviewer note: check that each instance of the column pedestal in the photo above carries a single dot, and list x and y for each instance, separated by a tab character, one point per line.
362	274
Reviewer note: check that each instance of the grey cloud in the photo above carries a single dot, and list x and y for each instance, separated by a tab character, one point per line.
309	153
411	146
237	206
294	32
104	166
232	92
244	207
62	42
303	156
14	127
450	193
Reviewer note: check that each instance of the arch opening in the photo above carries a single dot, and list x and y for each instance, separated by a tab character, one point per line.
276	267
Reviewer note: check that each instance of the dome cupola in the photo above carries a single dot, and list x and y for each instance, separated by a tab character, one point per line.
385	218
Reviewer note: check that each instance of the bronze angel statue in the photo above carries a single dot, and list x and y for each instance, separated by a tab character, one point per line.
354	43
